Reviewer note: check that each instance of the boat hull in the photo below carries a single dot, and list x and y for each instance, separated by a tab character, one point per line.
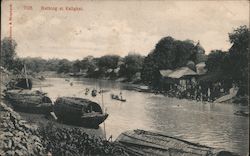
93	121
78	111
145	143
29	101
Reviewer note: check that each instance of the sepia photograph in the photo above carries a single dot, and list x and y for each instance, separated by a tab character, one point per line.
124	78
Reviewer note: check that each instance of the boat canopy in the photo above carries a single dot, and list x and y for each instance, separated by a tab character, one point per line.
79	103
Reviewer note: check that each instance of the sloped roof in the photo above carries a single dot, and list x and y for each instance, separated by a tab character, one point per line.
166	72
200	68
180	72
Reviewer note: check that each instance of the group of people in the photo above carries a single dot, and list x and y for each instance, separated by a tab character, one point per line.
199	91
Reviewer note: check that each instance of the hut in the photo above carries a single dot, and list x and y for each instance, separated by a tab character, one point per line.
166	82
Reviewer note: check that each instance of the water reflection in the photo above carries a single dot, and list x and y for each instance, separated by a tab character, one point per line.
206	123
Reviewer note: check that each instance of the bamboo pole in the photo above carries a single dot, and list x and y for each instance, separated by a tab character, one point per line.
104	127
25	72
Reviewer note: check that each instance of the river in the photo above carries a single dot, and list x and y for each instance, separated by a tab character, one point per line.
210	124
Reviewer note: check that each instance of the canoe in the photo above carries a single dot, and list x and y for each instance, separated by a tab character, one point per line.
79	111
29	101
116	97
241	113
145	143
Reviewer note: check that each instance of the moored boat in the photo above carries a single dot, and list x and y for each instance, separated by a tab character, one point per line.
20	83
29	101
143	143
79	111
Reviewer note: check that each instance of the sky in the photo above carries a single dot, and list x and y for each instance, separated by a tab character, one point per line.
105	27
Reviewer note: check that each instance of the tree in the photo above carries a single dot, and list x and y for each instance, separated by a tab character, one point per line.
132	65
150	71
239	57
239	53
8	53
64	66
108	61
76	66
216	61
168	54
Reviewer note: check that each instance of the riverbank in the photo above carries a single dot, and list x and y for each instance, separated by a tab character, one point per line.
37	134
40	137
137	85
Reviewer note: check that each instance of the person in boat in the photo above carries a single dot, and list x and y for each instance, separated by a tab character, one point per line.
94	92
121	95
86	91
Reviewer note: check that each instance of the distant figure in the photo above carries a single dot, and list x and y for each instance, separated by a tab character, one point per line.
94	92
120	93
71	83
86	91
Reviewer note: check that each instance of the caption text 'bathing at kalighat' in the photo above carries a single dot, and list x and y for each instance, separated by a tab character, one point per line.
54	8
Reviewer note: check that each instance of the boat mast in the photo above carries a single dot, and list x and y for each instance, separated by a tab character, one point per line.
25	72
104	127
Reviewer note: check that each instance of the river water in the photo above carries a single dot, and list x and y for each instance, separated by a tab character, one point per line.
210	124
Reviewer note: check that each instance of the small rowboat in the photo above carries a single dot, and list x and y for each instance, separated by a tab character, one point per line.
116	97
241	113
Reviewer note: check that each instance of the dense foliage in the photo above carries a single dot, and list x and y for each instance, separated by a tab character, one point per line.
235	62
132	65
216	61
168	54
8	55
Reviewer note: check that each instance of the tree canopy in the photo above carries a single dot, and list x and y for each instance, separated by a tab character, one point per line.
168	54
132	63
8	53
239	53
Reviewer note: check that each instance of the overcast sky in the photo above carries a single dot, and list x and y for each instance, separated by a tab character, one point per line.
118	27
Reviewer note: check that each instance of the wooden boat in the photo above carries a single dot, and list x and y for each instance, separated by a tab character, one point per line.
42	78
29	101
145	143
241	113
20	83
79	111
76	74
116	97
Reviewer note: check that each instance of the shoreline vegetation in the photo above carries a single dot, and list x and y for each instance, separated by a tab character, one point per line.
176	68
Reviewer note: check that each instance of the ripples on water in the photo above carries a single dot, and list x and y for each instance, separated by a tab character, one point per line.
205	123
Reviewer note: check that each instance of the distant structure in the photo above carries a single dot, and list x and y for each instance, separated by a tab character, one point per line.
200	55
